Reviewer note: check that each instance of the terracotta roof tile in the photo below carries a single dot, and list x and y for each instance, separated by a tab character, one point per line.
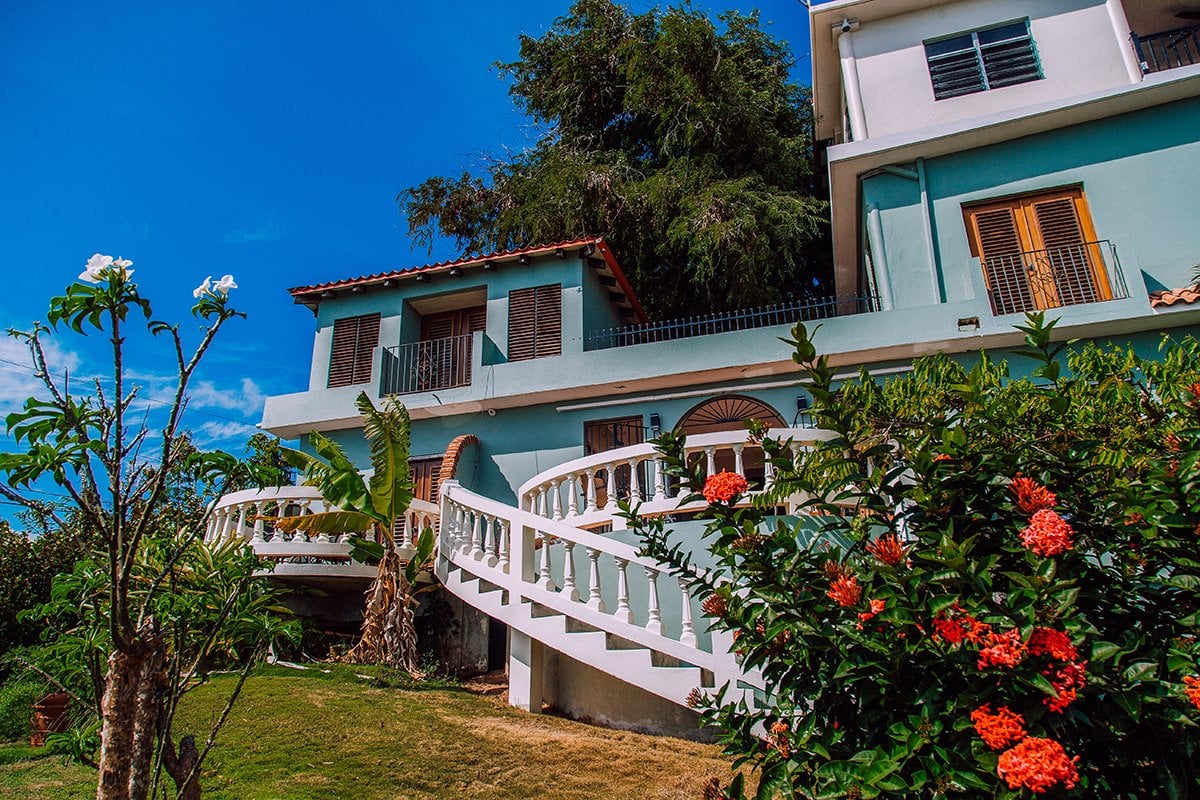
1169	297
310	295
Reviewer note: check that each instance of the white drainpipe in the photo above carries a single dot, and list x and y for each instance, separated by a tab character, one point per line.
854	103
1120	23
883	278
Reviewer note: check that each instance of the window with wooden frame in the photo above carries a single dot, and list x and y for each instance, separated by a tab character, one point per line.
602	435
426	476
535	322
1038	251
354	341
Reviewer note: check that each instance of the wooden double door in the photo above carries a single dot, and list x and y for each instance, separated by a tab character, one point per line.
443	357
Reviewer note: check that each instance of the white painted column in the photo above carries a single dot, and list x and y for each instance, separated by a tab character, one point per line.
525	672
854	102
1120	23
883	279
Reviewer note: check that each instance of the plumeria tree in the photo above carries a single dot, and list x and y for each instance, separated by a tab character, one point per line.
989	589
154	626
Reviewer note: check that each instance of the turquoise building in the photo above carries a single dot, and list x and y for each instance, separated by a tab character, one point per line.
984	159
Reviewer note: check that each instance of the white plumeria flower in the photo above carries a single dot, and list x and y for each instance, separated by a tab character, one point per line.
223	286
93	271
203	288
123	265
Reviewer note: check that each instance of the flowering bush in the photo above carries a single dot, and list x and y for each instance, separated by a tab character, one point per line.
1011	608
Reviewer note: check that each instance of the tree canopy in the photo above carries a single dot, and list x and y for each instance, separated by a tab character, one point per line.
683	142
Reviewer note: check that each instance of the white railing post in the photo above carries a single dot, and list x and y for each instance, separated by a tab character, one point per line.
595	599
611	487
590	476
623	612
572	501
476	535
710	455
545	579
260	534
541	502
241	523
568	587
768	473
502	565
635	484
688	629
489	540
739	465
660	481
555	502
653	611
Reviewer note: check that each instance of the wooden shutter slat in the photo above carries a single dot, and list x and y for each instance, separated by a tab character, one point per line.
1003	266
1066	256
535	322
354	342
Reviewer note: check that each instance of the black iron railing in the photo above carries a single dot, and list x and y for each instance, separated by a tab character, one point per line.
1080	273
1169	49
426	366
723	322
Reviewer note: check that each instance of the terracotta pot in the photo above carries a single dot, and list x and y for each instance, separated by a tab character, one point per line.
49	716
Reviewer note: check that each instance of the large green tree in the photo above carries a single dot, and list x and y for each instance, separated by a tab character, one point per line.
683	142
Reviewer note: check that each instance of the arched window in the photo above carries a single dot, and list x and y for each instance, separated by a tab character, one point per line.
727	413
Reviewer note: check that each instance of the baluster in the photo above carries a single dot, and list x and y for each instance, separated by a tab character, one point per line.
739	465
324	537
505	545
227	524
489	540
555	502
660	481
572	502
653	611
611	487
635	487
464	522
623	612
541	504
710	455
476	536
595	600
545	579
568	587
590	477
768	474
241	523
688	630
260	530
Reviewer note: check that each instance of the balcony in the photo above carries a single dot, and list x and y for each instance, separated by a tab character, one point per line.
1081	273
426	366
726	321
1168	50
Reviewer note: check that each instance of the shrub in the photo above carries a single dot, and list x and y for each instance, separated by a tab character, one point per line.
16	707
1001	598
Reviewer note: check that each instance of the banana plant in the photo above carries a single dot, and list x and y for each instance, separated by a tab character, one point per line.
373	505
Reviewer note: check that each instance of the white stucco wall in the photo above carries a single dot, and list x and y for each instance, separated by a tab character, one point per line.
1076	43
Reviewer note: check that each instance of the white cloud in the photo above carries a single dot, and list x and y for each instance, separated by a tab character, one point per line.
248	399
217	432
17	379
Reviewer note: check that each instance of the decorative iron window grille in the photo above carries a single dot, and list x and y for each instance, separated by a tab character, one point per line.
985	59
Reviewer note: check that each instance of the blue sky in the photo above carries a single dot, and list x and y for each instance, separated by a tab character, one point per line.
265	139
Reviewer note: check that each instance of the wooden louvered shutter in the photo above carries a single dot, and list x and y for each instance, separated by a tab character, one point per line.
1070	261
354	341
998	238
535	322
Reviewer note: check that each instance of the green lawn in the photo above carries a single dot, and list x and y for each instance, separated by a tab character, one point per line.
302	735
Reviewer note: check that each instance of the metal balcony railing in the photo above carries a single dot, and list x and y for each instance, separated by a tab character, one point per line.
426	366
1167	50
723	322
1081	273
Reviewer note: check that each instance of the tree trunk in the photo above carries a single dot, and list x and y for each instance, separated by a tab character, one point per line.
389	635
133	696
180	766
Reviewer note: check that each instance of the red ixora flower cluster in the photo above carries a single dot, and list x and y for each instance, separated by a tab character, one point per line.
866	616
1032	497
1002	650
724	487
1038	765
1048	534
1000	729
1068	675
955	626
777	739
845	591
1192	689
887	549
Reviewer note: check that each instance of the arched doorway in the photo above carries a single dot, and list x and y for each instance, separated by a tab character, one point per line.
729	413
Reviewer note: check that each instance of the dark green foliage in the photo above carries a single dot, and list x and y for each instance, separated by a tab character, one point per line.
876	702
16	707
685	144
27	567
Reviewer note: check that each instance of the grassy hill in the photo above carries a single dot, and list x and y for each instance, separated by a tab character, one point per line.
314	735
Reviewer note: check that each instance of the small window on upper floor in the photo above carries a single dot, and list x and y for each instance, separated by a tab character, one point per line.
535	322
354	341
1003	55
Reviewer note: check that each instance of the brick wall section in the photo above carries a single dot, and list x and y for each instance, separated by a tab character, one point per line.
454	451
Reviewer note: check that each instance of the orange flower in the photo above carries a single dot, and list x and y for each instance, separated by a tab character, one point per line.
1052	643
1192	689
887	549
1031	495
998	730
941	457
1003	650
1038	765
724	487
845	591
866	616
957	626
714	605
777	738
1048	534
1066	679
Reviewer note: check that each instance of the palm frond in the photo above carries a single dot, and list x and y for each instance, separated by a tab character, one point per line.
325	522
331	472
387	432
